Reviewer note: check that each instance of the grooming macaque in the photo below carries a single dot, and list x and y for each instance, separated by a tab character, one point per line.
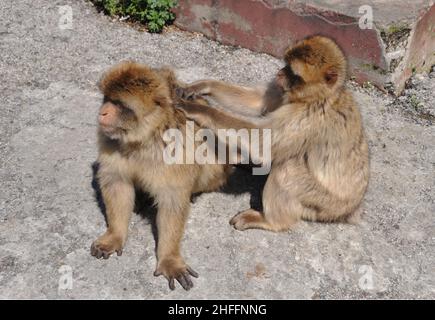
320	165
137	110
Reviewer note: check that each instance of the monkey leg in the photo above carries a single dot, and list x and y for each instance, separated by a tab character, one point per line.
119	201
291	193
171	219
318	203
274	218
282	208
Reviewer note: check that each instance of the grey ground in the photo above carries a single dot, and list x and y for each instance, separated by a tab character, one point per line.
49	215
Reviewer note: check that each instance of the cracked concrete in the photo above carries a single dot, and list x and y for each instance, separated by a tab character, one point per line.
49	215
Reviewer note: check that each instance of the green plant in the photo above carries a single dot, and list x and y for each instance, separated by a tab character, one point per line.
368	85
396	28
415	102
154	13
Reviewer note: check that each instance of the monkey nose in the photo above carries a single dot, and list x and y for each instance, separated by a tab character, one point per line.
103	119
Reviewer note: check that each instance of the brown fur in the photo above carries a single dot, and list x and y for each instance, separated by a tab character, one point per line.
131	156
320	167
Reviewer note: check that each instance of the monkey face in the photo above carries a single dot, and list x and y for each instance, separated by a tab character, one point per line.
315	68
287	79
115	119
132	92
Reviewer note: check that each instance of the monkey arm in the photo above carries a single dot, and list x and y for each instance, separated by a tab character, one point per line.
173	209
236	98
119	199
210	117
118	196
216	119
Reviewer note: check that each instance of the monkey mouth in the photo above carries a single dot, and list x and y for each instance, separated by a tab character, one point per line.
110	131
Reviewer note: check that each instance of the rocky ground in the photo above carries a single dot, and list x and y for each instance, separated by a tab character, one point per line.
49	215
417	100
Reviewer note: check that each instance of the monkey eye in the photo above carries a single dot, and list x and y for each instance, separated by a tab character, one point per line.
292	77
122	105
117	103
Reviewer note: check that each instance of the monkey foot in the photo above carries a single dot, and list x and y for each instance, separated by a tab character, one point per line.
105	246
248	219
173	270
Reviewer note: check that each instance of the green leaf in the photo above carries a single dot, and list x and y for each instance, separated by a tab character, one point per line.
156	13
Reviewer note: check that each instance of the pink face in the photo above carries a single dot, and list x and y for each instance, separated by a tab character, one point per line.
280	79
108	118
108	114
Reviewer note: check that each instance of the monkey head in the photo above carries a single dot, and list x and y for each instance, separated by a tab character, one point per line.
132	92
315	69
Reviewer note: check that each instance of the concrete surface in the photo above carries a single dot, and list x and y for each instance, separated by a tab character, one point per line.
399	41
49	216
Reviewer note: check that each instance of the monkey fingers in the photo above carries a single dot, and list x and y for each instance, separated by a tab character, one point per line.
184	93
189	95
104	248
100	253
182	275
196	89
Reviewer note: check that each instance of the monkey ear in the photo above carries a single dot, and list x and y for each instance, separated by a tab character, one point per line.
331	75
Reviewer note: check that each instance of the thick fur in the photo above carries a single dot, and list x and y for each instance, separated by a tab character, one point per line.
320	167
132	157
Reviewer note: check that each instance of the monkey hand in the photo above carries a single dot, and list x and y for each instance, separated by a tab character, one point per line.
195	112
176	269
107	244
195	90
182	93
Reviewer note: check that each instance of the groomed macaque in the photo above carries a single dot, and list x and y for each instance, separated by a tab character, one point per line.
136	111
320	165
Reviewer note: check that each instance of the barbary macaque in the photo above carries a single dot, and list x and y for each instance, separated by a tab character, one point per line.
136	112
320	157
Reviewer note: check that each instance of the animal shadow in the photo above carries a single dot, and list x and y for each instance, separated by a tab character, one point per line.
242	181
